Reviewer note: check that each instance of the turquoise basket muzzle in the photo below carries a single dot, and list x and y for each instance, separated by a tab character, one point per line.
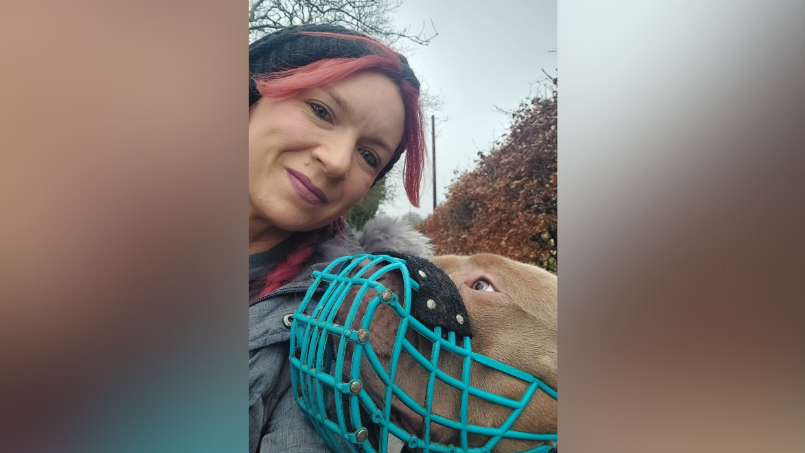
334	398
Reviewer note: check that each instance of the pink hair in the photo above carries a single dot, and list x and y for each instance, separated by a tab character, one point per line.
292	266
282	84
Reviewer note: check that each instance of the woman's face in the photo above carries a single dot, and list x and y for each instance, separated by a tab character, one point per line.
313	156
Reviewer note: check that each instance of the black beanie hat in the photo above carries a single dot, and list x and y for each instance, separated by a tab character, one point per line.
290	49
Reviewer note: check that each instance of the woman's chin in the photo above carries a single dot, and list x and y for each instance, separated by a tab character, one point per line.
288	220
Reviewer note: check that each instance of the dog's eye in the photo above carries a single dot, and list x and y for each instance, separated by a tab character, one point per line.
483	285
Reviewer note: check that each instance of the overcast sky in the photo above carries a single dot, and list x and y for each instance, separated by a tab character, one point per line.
487	54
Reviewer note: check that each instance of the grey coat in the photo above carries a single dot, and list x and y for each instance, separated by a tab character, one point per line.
276	423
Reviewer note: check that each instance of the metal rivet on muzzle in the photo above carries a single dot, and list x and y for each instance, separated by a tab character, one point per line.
460	320
431	304
361	435
422	273
288	320
386	295
355	387
363	335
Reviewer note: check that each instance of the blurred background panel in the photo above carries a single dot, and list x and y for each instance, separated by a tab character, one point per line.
682	324
123	236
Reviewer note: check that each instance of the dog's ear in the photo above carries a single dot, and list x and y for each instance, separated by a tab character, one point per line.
448	263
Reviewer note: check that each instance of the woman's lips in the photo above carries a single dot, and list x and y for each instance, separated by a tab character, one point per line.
305	188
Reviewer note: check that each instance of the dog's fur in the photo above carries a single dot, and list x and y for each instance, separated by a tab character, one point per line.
515	324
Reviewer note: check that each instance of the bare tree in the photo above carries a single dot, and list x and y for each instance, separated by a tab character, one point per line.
373	17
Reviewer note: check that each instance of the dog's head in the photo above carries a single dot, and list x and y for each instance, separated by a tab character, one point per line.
513	312
513	309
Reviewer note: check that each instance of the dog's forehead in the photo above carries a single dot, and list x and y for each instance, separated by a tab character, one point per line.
508	269
478	266
490	262
449	263
487	261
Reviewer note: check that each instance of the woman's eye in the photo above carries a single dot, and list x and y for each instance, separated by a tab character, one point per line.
483	285
320	111
370	158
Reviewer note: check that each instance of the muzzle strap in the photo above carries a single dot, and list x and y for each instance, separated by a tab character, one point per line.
438	302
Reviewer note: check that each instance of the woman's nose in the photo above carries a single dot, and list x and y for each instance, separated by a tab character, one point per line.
336	156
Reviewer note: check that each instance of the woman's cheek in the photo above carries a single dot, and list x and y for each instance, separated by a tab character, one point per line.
368	184
363	191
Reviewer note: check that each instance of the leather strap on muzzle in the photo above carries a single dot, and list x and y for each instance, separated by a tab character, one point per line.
438	302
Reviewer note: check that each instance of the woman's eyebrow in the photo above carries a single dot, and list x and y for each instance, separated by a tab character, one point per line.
341	102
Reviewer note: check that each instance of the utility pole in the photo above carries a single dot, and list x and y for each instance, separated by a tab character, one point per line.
433	137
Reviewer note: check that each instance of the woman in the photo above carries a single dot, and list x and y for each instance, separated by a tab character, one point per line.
330	112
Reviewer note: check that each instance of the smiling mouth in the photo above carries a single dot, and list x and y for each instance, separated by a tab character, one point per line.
305	188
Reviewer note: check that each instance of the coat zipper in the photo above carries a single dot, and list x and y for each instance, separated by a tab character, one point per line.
283	292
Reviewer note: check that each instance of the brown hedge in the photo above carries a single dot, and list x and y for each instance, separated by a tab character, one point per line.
507	204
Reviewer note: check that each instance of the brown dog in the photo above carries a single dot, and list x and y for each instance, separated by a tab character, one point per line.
513	312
